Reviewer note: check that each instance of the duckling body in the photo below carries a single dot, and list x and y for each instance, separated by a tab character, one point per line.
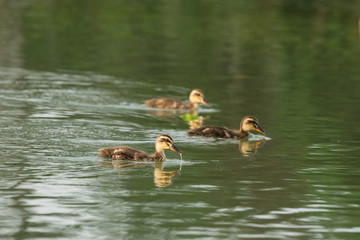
215	131
168	103
162	142
196	96
127	153
247	123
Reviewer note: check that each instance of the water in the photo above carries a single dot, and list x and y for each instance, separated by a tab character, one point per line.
73	84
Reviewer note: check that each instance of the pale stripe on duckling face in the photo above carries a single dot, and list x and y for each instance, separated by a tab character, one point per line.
164	138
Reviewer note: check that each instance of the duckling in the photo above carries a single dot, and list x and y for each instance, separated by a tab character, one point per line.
162	142
196	96
247	123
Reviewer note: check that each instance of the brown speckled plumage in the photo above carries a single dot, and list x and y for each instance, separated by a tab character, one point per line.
162	142
196	96
214	131
167	103
247	123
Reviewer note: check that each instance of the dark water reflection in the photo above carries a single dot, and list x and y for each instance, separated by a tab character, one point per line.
77	81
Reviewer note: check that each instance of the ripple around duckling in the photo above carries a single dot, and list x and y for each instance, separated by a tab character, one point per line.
172	162
258	137
337	230
204	187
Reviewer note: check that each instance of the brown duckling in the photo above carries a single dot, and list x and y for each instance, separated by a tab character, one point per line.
247	123
162	142
196	96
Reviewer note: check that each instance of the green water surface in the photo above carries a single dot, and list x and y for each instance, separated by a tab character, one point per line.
74	76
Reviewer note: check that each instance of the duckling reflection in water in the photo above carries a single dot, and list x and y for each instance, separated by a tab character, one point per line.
162	142
163	178
119	164
196	96
248	148
196	123
247	124
171	113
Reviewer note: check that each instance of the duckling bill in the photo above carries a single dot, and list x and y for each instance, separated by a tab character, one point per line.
196	97
247	124
162	142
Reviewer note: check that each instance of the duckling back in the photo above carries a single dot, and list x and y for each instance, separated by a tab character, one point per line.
124	153
213	131
166	103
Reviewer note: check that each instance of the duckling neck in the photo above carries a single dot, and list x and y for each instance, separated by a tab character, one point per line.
193	105
158	156
242	133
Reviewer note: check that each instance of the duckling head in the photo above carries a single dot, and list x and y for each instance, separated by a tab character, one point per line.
251	123
197	96
163	142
